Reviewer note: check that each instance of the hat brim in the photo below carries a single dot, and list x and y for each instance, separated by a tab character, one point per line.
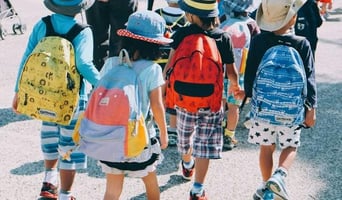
274	26
160	40
201	13
240	6
68	10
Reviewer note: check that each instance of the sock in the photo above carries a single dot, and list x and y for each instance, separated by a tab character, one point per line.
51	176
197	188
262	185
229	133
64	195
190	164
282	171
172	129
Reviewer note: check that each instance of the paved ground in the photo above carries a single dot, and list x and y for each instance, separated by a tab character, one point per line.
317	173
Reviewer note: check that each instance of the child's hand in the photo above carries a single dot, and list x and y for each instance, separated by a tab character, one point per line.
233	88
310	117
237	92
164	140
15	103
240	95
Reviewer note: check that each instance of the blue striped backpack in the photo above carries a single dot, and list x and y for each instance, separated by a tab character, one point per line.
279	89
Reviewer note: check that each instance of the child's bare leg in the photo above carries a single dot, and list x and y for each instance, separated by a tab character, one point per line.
151	186
114	186
323	8
201	169
266	161
287	157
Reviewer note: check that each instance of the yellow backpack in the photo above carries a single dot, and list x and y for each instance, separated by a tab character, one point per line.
49	85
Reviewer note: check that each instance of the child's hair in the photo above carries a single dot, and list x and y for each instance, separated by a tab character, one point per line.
240	14
209	22
147	50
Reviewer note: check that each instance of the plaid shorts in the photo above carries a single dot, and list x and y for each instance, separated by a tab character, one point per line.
202	131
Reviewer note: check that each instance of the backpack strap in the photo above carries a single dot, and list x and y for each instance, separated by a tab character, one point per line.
70	35
50	31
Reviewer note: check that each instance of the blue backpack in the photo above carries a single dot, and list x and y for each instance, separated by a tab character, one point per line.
113	127
279	89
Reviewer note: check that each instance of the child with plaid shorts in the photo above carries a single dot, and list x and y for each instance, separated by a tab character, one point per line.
200	136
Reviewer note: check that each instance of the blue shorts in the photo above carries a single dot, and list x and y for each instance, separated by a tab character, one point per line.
56	138
230	97
267	134
202	131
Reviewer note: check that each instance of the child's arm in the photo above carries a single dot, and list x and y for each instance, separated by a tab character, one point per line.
158	111
233	77
310	117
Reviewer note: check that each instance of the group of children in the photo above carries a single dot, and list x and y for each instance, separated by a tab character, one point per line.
199	135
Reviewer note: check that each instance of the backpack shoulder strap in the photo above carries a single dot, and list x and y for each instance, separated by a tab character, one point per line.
50	31
73	32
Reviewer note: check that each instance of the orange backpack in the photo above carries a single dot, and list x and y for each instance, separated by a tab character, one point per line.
195	76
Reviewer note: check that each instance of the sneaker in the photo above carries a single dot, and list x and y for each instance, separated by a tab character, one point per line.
227	143
259	195
172	138
49	191
66	197
187	173
276	185
196	197
268	195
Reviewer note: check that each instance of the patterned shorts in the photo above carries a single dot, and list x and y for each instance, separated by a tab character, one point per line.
56	138
202	131
266	134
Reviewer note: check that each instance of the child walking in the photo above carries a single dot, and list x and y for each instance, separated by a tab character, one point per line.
307	23
142	39
57	138
200	133
241	29
174	18
276	19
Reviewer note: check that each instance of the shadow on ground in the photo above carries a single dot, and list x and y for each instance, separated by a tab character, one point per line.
320	148
8	116
321	145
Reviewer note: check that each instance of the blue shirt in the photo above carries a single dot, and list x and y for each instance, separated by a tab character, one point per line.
83	44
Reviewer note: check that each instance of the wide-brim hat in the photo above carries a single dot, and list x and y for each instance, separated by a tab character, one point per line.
172	1
272	15
68	7
240	5
203	8
147	26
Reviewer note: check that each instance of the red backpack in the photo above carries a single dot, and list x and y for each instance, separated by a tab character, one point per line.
195	76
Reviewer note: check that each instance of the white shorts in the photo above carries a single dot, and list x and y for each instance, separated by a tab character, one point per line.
267	134
146	155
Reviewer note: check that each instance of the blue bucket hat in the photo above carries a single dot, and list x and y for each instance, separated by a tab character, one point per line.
240	6
147	26
201	8
68	7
